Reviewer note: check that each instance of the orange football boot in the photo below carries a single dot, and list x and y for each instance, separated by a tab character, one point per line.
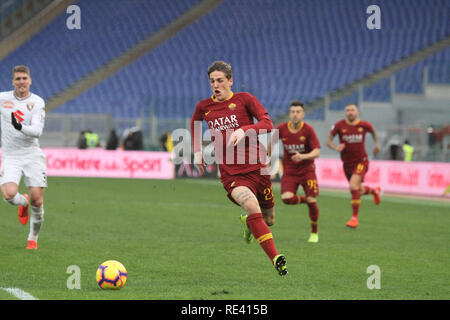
352	223
32	245
377	195
23	211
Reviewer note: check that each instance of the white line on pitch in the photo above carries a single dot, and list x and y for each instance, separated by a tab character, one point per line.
19	294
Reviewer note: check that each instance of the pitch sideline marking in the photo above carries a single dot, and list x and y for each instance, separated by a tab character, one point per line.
19	294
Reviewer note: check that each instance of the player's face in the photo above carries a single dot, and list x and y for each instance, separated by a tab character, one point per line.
220	85
296	114
21	82
351	112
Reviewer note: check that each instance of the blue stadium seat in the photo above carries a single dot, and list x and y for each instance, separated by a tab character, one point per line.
304	50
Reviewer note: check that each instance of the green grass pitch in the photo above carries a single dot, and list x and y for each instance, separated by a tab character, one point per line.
182	239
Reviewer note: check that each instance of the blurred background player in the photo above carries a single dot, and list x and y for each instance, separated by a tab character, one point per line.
301	147
408	151
22	120
352	134
230	119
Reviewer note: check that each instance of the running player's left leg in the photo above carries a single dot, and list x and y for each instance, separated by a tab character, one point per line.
313	217
267	202
35	178
355	187
247	199
311	188
37	215
365	189
375	192
289	187
11	195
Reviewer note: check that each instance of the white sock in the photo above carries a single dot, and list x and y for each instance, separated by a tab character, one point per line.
36	221
18	200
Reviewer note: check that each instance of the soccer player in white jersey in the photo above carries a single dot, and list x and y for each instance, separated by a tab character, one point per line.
22	122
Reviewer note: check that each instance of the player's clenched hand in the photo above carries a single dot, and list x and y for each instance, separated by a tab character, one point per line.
198	162
297	157
14	122
340	147
236	137
376	149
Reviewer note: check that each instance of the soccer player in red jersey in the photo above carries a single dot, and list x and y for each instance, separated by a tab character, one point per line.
230	120
352	132
301	147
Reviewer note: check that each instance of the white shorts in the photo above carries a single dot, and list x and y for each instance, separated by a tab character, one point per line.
33	168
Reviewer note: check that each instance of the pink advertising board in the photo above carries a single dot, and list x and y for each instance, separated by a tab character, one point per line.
72	162
420	178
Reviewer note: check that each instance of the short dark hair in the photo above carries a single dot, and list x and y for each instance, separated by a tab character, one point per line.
351	104
221	66
296	103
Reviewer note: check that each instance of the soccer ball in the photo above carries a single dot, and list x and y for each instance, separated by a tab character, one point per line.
111	274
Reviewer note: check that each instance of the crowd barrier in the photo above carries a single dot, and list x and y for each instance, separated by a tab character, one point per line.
415	178
72	162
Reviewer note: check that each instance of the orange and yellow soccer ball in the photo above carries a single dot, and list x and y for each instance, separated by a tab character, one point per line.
111	274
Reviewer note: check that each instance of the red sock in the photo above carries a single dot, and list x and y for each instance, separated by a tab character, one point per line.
356	201
313	215
368	190
262	234
295	200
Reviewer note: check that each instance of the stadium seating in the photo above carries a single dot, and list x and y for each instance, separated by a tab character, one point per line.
8	7
108	28
279	50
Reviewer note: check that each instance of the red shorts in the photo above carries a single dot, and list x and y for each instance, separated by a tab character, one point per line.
260	185
359	168
290	183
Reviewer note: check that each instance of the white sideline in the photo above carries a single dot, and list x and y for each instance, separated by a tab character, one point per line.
19	294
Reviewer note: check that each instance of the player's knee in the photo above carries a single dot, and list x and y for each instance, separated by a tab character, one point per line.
37	202
270	221
291	200
8	195
310	200
6	198
251	207
287	198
